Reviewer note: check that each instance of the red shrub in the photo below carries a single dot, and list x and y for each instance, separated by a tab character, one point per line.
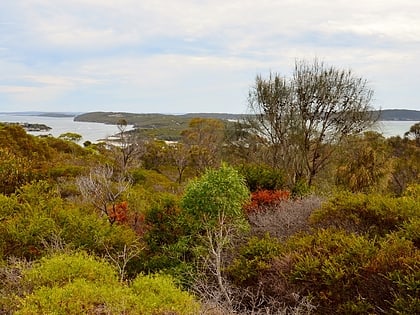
118	212
261	200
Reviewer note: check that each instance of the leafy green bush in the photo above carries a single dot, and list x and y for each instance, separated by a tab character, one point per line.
217	191
35	219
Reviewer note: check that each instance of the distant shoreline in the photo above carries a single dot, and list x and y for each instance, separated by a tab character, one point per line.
110	117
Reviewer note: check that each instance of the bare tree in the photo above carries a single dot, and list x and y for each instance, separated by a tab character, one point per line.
178	153
129	145
302	119
121	258
103	190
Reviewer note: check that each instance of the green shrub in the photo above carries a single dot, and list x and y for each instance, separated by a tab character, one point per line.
80	297
8	206
83	229
262	177
254	257
410	230
61	269
216	192
366	213
37	220
24	235
152	180
81	284
300	189
65	171
159	295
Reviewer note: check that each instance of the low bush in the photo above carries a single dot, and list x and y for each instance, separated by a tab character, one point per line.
36	220
253	258
373	214
263	200
159	295
81	284
343	273
61	269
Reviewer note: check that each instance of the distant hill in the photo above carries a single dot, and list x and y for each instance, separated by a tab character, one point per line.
42	114
399	114
148	120
152	120
161	126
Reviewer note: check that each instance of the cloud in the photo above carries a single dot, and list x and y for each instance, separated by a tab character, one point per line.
196	53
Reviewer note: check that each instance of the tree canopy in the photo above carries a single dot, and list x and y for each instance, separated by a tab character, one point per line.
300	118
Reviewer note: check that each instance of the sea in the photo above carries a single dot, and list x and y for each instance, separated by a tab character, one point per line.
90	131
96	132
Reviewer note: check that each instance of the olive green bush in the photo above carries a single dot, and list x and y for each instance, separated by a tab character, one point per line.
373	214
262	177
36	220
81	284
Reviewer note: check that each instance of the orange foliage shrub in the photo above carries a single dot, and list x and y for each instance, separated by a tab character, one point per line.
262	200
118	212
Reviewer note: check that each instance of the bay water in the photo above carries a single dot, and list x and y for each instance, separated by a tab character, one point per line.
95	132
90	131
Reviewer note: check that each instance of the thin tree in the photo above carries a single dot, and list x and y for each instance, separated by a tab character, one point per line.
303	118
129	144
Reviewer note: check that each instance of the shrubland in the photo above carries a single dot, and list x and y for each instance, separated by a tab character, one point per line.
210	224
230	239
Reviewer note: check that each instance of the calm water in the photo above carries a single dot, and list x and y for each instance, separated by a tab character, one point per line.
95	132
394	128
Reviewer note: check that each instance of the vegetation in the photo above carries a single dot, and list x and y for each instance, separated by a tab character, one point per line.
207	224
304	118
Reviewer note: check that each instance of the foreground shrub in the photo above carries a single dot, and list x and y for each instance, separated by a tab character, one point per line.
81	284
343	273
159	295
61	269
254	257
37	220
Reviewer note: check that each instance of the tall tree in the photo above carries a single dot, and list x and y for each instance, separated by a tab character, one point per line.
301	119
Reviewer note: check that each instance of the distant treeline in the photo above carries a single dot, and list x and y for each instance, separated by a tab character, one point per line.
158	120
399	114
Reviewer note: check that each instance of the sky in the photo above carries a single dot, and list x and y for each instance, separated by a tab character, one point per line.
182	56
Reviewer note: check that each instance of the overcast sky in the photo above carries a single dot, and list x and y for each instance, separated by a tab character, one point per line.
178	56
